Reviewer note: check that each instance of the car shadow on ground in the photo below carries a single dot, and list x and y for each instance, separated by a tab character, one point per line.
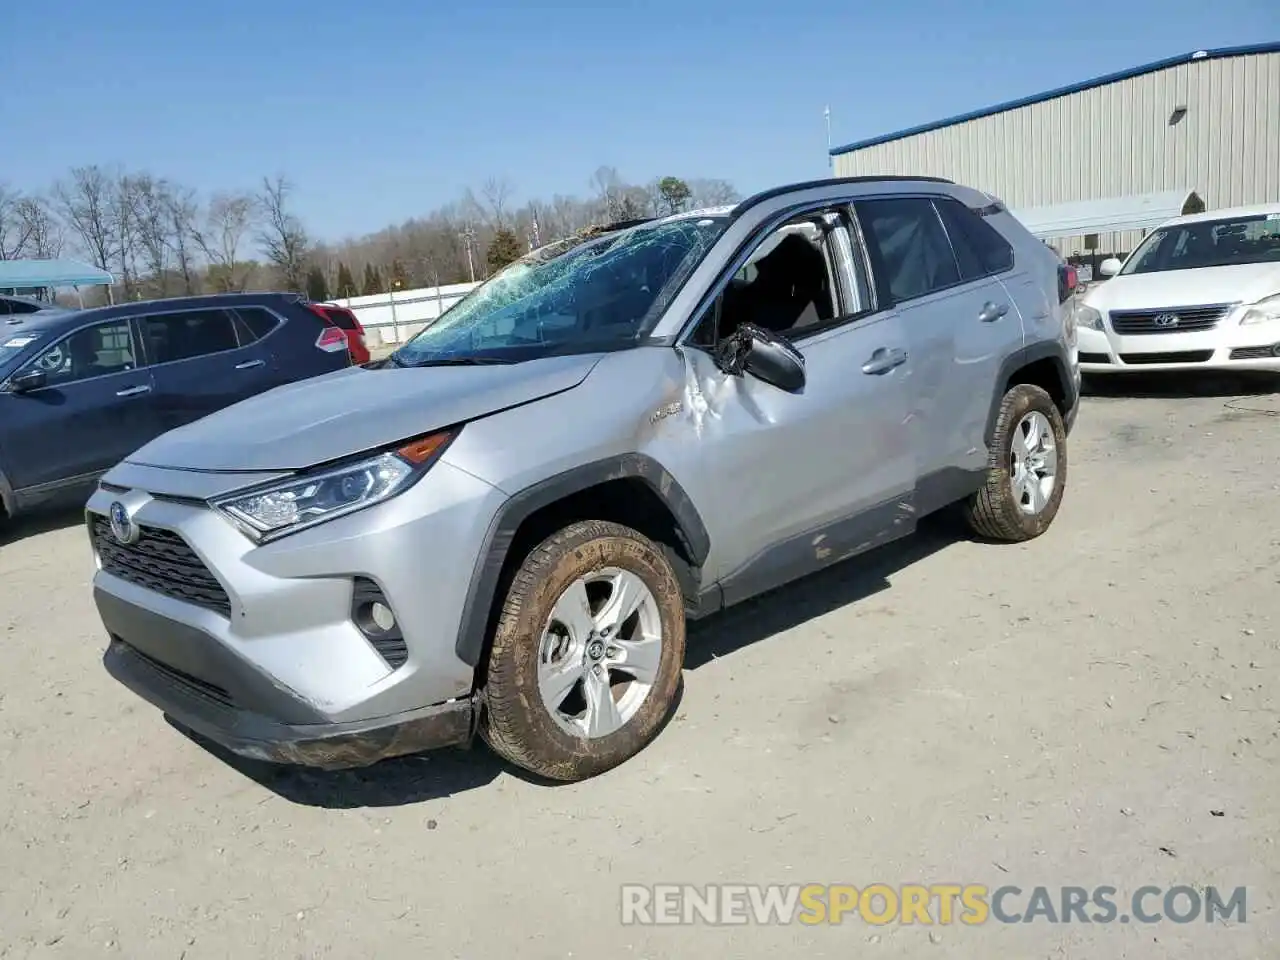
1179	385
446	773
837	586
47	521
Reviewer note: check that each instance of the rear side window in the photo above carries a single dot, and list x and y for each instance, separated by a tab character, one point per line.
979	247
183	336
256	323
912	249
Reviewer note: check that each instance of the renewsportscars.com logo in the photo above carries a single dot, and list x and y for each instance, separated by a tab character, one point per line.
940	903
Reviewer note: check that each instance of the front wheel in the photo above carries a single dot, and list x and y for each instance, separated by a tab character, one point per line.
1027	474
586	658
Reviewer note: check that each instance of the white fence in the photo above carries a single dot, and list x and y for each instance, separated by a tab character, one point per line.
394	318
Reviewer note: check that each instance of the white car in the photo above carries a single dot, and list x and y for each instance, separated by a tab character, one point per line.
1200	292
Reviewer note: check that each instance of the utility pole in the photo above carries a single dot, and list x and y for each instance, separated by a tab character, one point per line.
831	161
468	240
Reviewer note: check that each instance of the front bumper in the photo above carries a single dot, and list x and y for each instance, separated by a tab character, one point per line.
1226	347
326	746
257	647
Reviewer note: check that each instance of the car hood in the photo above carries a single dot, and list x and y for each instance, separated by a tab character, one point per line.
1245	283
335	415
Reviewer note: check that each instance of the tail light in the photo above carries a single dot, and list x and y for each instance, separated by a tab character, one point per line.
1068	280
331	339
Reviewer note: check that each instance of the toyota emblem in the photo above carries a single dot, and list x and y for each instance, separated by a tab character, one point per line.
1166	320
123	527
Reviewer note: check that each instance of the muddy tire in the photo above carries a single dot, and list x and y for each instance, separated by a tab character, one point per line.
1027	473
587	655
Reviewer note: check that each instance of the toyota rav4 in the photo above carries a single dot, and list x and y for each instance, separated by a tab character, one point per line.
504	527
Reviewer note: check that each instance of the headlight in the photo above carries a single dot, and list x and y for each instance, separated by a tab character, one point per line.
1088	317
303	501
1263	311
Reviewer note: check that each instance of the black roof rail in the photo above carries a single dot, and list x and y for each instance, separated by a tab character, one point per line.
769	194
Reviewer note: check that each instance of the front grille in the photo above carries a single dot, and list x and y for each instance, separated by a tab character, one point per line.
1255	353
1182	356
1094	358
1168	319
161	561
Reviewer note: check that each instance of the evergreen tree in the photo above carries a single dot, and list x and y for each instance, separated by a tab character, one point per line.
503	250
372	280
675	193
317	286
346	282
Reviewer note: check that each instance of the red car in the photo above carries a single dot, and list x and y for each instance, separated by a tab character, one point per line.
346	321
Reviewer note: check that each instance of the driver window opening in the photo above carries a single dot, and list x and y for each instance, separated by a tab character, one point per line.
91	352
787	286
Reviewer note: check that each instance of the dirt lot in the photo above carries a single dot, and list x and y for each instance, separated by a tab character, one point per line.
1096	708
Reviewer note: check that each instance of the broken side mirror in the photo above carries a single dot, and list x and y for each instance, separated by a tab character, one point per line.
765	355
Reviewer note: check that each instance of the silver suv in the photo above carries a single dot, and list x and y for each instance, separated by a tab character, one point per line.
504	528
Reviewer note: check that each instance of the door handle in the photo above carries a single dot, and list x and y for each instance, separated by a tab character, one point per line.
250	364
133	391
884	360
991	312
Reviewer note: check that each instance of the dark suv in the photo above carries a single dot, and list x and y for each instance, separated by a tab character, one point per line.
82	389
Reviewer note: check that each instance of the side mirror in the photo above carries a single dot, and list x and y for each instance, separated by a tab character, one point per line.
1109	267
765	355
28	381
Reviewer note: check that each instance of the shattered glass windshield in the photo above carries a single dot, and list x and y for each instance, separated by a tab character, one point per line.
576	296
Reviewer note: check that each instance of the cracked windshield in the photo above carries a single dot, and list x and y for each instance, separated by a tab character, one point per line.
602	294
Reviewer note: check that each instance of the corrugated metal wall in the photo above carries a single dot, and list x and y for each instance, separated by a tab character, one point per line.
1113	140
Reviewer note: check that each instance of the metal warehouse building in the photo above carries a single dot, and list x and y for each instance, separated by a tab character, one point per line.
1093	165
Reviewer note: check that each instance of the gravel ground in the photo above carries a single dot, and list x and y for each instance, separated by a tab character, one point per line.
1094	708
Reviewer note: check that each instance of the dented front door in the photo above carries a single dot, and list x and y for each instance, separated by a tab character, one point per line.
801	480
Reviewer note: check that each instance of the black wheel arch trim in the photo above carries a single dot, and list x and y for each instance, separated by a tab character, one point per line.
7	500
1034	353
478	607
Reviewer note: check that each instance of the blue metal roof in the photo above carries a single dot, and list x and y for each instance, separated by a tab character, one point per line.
1218	54
50	273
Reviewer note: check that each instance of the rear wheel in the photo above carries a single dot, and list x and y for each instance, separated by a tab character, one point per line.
587	654
1027	474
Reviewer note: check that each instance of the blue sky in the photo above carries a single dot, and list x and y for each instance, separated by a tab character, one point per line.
379	110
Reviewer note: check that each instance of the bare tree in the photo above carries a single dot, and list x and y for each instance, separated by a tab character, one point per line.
15	232
182	213
87	204
149	210
229	218
712	193
497	193
44	232
609	190
124	223
283	239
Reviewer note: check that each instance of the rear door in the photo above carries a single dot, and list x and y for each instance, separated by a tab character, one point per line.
200	364
960	323
991	328
95	408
